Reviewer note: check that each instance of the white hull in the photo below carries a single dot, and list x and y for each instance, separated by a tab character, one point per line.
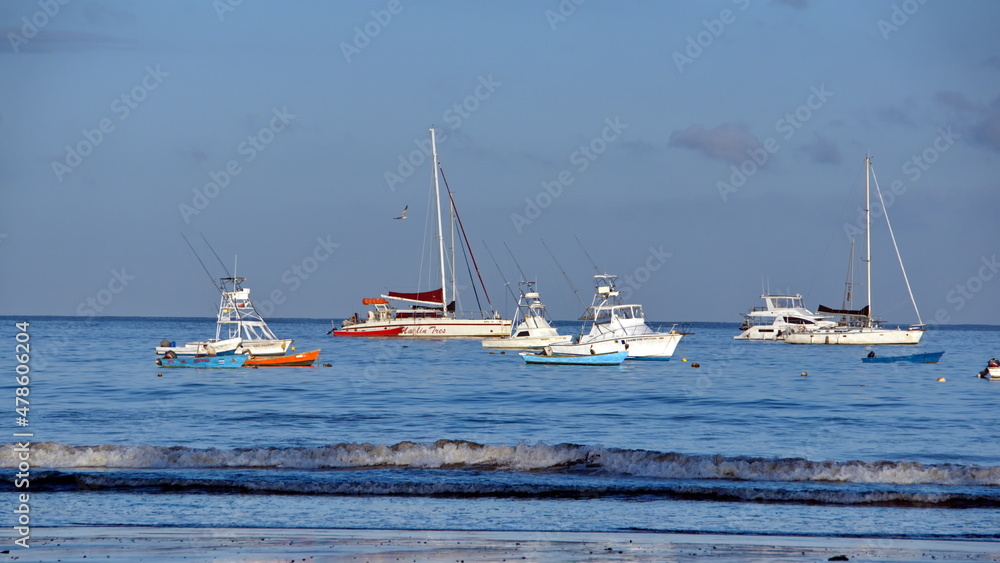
526	342
646	346
438	327
859	336
203	348
991	373
781	315
264	347
760	333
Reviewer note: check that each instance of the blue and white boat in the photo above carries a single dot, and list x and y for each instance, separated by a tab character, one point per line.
606	359
230	361
924	358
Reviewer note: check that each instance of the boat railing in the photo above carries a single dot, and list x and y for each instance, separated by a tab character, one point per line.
477	315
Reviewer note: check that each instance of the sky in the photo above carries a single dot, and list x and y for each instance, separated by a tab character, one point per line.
704	152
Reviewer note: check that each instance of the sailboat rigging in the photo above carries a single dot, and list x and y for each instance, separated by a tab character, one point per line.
431	313
860	326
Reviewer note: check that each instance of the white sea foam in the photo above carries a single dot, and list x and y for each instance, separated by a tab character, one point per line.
513	458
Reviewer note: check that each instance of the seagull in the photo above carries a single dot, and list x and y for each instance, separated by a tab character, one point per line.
403	214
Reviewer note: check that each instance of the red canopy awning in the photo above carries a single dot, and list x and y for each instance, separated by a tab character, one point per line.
434	297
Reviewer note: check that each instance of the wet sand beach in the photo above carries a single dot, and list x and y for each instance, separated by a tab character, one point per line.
259	544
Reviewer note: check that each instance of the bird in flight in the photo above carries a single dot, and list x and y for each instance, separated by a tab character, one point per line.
403	214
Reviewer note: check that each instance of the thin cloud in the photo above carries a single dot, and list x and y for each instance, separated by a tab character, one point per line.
822	150
956	101
729	141
894	116
52	41
987	131
982	120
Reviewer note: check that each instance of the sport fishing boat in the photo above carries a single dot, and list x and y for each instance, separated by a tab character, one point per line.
860	326
432	313
533	328
779	315
617	326
239	328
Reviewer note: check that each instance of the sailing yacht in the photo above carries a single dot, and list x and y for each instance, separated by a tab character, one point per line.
779	315
616	326
859	326
534	330
432	313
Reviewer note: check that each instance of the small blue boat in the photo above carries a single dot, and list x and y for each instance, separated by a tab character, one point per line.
608	359
231	361
925	358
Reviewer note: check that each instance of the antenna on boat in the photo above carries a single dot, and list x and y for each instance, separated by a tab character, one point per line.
505	282
224	269
569	281
515	262
211	280
592	263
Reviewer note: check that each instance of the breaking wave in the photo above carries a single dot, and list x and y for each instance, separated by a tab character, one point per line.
520	458
170	482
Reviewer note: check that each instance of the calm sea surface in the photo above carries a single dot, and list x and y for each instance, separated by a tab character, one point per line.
444	435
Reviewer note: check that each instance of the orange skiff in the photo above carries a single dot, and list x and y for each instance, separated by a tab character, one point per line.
303	359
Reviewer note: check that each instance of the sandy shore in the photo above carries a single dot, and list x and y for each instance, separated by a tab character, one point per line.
248	544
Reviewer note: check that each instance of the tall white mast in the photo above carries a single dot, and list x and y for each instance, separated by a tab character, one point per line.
437	199
868	233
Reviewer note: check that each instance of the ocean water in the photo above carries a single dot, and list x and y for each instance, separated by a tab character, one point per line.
436	434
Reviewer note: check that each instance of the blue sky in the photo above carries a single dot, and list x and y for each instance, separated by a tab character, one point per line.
704	150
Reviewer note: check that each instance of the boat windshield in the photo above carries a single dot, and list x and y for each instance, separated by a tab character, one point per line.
603	316
786	302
